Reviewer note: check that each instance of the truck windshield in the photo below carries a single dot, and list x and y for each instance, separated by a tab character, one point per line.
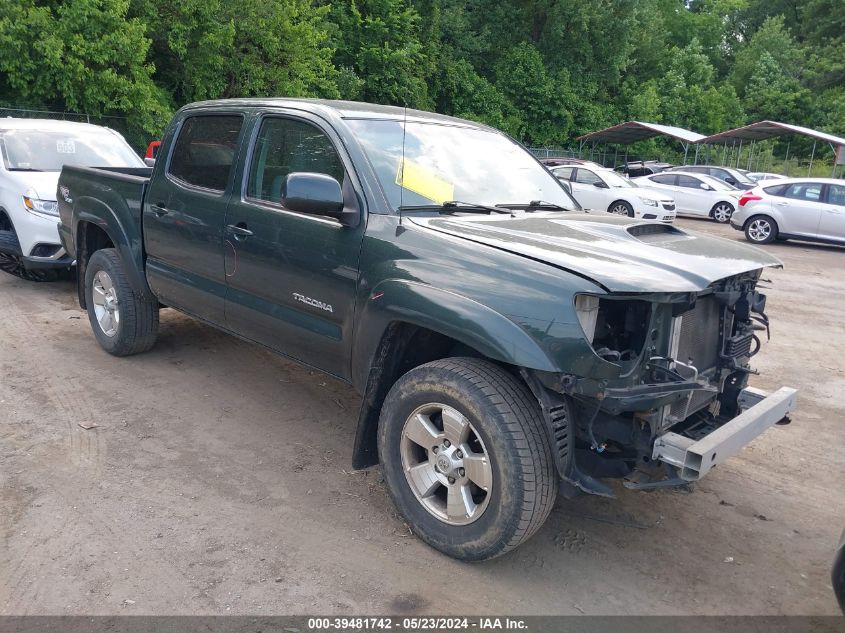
444	162
49	150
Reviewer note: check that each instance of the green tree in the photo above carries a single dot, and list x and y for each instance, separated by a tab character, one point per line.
80	55
524	81
378	41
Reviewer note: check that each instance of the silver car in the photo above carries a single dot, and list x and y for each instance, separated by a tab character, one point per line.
811	209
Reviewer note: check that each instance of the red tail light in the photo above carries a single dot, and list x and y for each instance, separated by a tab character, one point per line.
747	197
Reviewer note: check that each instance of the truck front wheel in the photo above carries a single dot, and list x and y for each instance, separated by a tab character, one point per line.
466	457
123	322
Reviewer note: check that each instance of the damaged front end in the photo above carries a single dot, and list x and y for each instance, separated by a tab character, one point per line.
679	403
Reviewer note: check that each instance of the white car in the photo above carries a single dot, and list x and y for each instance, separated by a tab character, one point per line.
811	209
759	176
33	153
604	189
696	194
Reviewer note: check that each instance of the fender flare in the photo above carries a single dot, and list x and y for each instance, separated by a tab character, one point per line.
128	241
375	368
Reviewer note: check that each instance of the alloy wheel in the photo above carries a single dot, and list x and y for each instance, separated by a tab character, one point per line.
722	213
759	230
104	297
446	464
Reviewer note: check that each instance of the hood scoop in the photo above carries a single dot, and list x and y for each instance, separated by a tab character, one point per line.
654	232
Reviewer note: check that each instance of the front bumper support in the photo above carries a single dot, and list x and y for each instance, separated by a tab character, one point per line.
694	459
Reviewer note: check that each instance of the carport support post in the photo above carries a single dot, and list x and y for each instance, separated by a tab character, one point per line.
786	160
812	156
695	160
686	150
739	153
750	157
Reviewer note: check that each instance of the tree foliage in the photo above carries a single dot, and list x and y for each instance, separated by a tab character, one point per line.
544	71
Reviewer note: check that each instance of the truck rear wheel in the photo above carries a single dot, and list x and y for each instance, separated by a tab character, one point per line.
123	322
466	457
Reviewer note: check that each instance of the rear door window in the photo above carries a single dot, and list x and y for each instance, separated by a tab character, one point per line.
811	191
205	150
563	172
586	177
689	182
664	179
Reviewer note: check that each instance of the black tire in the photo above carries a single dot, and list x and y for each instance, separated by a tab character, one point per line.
12	262
620	207
756	231
137	328
508	420
722	212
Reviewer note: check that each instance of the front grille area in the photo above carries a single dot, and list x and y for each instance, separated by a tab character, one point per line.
699	343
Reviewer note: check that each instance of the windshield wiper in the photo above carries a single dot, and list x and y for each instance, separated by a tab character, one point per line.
454	206
533	206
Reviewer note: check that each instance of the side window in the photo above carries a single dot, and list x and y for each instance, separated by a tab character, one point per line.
776	190
285	146
205	150
586	177
563	172
664	179
811	191
689	182
836	195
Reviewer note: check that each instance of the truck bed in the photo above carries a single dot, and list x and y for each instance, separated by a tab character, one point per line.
110	198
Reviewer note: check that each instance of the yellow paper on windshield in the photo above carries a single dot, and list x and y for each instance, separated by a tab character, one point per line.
414	177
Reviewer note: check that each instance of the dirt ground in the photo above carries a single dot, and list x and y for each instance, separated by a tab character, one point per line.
218	481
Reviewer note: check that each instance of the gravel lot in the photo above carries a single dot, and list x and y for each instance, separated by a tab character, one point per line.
218	480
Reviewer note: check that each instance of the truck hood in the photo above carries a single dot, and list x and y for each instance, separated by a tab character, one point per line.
42	183
620	254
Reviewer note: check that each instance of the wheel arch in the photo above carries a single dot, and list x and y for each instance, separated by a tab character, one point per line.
97	227
394	338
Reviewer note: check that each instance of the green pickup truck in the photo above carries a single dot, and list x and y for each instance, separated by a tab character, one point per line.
508	345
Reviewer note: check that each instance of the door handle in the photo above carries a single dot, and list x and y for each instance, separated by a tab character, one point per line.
782	204
239	230
159	209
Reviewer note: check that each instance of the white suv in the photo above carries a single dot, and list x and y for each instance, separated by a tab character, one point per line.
606	190
33	153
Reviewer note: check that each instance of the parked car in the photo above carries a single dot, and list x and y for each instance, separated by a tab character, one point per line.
733	177
759	176
696	194
811	209
606	190
556	162
505	342
837	575
34	151
635	169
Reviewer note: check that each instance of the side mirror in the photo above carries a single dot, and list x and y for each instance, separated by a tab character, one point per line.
599	184
730	181
312	193
706	187
564	183
150	162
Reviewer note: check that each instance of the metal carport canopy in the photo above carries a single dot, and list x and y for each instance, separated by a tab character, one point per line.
633	131
770	129
763	130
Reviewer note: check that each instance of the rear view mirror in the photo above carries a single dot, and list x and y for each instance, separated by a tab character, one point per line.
313	193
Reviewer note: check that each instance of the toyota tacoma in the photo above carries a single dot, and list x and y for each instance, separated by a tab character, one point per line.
508	345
